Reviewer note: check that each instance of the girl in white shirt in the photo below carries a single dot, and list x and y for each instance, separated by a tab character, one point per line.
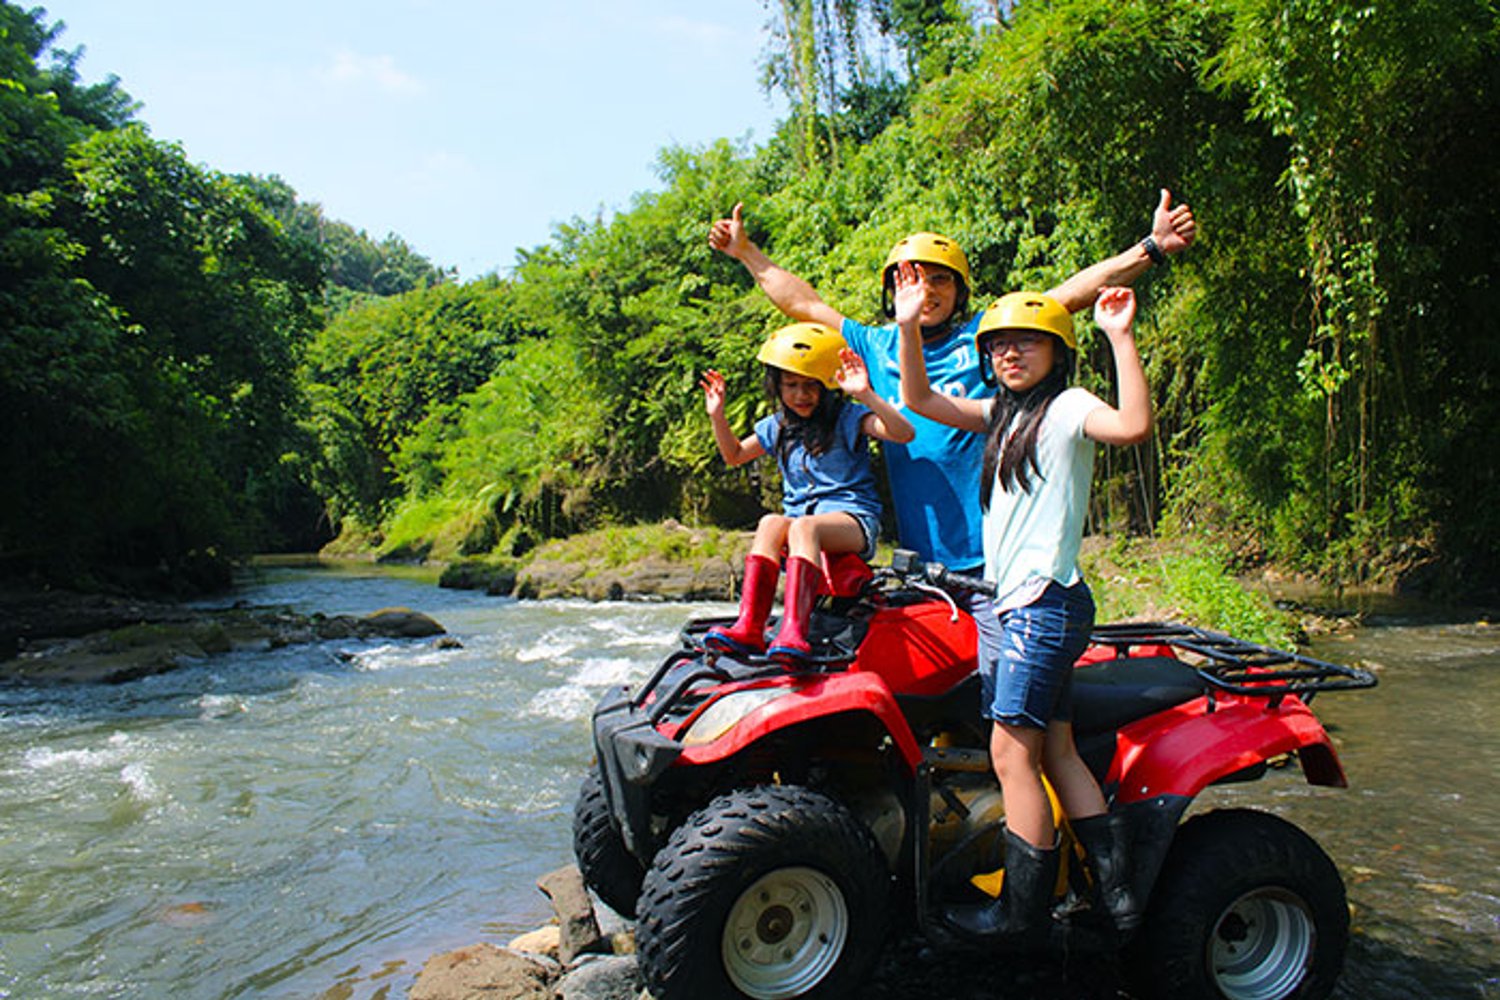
1039	455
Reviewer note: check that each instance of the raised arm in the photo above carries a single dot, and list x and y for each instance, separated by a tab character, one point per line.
736	451
1172	231
1129	421
883	421
917	393
787	292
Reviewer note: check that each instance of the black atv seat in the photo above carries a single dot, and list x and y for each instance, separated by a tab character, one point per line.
1114	693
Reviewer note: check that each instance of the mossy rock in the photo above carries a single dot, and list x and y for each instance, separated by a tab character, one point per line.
492	577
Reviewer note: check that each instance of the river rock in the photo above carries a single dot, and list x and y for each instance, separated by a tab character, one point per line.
578	929
496	579
401	623
542	941
483	972
653	577
602	977
144	648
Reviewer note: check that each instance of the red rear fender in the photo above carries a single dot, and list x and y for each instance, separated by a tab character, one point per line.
1186	749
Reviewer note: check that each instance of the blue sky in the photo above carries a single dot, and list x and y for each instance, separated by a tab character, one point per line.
469	129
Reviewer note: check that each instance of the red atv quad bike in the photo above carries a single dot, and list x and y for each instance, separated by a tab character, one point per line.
767	829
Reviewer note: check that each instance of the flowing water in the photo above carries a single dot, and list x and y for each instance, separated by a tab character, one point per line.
318	820
279	823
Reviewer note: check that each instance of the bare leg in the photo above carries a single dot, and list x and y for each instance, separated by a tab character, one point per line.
1070	776
770	536
810	536
1016	754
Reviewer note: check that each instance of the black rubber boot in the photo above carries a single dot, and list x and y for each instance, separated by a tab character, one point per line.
1107	855
1021	915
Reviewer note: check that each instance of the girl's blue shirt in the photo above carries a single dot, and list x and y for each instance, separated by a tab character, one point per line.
840	479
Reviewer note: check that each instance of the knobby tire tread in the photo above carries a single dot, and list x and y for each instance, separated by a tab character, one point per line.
607	866
1215	858
722	849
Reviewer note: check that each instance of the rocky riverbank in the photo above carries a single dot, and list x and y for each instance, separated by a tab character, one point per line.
588	953
55	636
667	561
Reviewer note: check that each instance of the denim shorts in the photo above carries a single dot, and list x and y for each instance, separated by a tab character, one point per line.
1029	682
981	607
870	525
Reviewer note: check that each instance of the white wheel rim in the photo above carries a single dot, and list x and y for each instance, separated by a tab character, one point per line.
784	933
1262	946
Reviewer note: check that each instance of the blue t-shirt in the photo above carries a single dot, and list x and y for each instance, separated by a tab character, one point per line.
934	479
840	479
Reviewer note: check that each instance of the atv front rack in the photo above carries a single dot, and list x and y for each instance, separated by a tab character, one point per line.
1236	666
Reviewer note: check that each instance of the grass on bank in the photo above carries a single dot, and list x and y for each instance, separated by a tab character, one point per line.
622	545
1180	580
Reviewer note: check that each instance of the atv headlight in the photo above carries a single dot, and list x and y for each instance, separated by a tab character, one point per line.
724	714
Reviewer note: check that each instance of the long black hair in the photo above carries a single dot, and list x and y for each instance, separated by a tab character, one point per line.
816	433
1010	451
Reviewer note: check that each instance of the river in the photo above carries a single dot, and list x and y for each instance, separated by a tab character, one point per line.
317	821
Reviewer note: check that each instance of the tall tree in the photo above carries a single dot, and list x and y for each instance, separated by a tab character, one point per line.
149	324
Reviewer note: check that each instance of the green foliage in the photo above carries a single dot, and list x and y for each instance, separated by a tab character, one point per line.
1320	360
622	545
1324	361
377	372
151	313
1206	593
1183	582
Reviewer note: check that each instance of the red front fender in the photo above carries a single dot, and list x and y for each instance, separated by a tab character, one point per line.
1186	749
826	697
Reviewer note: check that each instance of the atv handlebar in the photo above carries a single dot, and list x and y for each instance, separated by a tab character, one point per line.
908	566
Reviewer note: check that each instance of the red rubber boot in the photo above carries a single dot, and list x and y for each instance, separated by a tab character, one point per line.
803	578
748	634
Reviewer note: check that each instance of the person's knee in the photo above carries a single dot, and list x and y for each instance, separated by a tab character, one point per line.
1015	750
802	531
772	530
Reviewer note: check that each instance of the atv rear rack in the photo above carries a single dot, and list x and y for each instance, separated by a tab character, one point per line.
1236	666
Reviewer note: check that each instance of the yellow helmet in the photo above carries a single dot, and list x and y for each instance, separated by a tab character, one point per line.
928	248
925	248
810	349
1027	311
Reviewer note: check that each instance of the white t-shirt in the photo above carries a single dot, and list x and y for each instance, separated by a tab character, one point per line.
1032	537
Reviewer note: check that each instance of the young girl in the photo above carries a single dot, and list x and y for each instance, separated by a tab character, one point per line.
1038	462
828	495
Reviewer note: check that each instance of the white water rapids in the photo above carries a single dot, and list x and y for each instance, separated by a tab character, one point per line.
281	823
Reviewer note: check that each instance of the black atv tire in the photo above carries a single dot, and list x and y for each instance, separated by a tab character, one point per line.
607	866
1247	906
775	891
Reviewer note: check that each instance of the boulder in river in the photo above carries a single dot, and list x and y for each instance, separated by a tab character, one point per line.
400	623
483	972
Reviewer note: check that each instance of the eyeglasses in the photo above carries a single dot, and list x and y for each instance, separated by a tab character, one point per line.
1025	343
